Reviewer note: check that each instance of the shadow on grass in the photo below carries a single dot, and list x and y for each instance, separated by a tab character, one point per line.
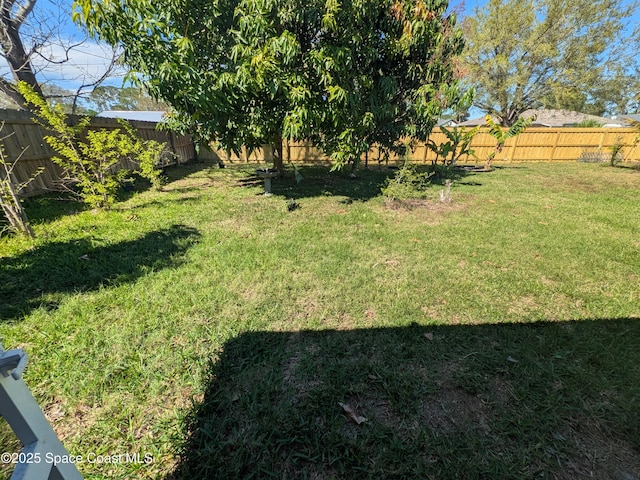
36	277
51	206
320	181
544	400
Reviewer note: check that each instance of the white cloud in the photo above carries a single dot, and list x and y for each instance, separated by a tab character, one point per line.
86	63
71	68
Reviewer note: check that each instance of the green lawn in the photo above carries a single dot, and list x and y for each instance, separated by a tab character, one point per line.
214	329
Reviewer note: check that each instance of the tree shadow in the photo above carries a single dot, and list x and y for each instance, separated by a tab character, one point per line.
57	204
319	180
541	400
37	277
51	206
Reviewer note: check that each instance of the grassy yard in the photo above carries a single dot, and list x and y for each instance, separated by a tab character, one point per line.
226	337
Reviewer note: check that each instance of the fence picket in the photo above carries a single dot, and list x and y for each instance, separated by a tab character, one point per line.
534	144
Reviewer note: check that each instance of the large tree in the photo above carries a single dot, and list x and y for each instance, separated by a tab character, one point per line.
252	72
391	71
525	54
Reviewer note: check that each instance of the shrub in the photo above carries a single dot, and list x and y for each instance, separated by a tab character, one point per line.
615	149
89	158
407	183
589	123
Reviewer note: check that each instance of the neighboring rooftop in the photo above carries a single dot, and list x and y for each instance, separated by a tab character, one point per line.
558	118
631	116
155	116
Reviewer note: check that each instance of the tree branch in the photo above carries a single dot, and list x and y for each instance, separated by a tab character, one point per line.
23	12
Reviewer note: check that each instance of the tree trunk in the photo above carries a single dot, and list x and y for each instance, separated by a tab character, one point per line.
13	50
278	160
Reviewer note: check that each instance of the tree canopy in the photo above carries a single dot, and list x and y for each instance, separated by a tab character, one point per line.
252	72
566	54
107	97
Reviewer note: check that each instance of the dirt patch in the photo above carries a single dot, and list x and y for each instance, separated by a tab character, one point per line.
599	454
453	410
423	205
423	212
501	391
523	306
292	378
373	407
70	423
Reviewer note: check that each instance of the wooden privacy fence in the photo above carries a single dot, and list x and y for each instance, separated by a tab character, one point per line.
24	139
536	144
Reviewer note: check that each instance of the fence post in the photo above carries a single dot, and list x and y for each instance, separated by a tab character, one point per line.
601	142
555	146
513	148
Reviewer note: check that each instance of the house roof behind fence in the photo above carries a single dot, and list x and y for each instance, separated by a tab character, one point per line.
556	118
632	116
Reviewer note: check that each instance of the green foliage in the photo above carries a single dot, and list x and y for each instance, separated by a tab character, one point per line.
523	54
106	97
90	158
457	145
252	72
589	123
502	135
390	69
407	183
615	150
146	153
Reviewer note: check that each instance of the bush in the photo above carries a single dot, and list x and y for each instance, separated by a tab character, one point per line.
589	123
615	150
89	158
407	183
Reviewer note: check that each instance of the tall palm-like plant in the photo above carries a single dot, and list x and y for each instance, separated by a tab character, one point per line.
502	135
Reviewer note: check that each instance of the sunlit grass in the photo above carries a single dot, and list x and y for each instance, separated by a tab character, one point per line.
122	311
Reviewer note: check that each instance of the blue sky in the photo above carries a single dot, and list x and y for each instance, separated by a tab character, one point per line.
87	60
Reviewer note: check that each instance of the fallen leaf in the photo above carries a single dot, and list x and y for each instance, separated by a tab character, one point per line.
512	360
84	257
349	411
429	336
